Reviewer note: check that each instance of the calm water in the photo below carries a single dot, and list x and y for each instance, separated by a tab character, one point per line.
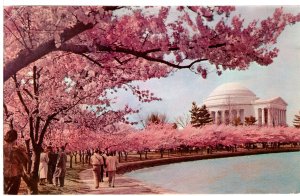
268	173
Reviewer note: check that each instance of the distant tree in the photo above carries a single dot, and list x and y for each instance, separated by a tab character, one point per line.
237	121
156	118
199	116
183	121
296	121
250	120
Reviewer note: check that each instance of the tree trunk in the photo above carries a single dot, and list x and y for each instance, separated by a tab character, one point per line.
119	153
146	154
161	153
71	160
75	154
28	168
126	156
82	158
33	179
89	159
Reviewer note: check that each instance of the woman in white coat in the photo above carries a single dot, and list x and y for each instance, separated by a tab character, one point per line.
112	164
43	167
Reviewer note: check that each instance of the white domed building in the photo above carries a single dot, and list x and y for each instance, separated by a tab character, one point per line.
232	100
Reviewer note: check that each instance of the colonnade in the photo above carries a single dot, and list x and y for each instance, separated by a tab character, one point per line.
266	116
271	116
226	116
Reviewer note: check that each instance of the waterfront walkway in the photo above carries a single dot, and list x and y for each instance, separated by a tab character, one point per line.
125	185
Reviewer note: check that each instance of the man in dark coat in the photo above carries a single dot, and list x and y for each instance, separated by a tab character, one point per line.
60	170
51	164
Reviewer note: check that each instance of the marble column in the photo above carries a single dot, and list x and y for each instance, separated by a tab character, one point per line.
269	116
278	117
280	111
284	113
259	117
223	116
262	116
212	115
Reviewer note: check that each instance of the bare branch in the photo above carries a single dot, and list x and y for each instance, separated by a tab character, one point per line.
91	59
20	95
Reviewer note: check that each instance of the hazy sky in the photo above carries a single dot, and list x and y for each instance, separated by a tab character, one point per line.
281	78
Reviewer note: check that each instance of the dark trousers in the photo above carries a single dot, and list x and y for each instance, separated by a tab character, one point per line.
51	169
101	173
12	185
61	181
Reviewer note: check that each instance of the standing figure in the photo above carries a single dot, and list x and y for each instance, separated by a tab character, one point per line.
97	161
15	160
43	167
103	155
60	170
51	164
112	164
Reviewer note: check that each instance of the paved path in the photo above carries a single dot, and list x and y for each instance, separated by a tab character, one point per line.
123	185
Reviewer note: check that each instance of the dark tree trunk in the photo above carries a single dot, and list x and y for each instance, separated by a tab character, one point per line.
126	156
161	153
75	155
71	160
28	168
119	153
80	156
82	153
33	179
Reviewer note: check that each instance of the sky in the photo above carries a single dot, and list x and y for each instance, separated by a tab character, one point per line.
281	78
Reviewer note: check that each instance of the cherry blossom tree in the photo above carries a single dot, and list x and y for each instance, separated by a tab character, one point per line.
60	63
38	101
129	38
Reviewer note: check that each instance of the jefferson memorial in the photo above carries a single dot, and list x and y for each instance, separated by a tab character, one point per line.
232	100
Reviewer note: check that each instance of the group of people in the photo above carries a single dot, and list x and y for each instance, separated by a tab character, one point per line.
101	161
53	166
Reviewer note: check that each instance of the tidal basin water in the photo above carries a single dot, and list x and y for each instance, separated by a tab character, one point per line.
266	173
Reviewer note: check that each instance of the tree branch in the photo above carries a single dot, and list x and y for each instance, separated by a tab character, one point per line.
20	95
91	59
24	57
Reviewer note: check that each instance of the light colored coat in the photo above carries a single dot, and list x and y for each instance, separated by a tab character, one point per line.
43	167
112	163
97	159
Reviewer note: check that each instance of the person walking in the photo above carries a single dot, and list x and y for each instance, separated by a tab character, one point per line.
60	170
43	167
112	164
103	155
97	161
15	160
51	164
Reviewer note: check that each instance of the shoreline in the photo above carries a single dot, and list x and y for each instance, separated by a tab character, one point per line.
79	180
131	166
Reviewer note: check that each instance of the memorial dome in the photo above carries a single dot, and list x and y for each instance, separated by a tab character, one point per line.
230	93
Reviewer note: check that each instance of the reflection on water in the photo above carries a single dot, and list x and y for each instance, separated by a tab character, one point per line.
268	173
